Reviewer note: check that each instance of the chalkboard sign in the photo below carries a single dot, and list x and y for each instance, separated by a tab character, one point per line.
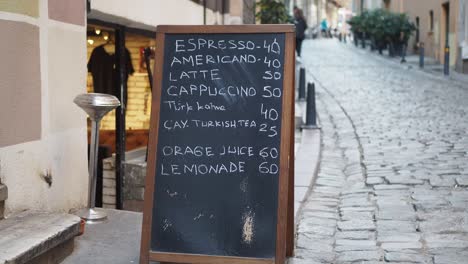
220	139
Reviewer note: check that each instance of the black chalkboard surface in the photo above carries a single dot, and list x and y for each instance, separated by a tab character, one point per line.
217	143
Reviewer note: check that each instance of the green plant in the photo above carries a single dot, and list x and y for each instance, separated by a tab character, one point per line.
407	28
367	21
382	27
272	12
376	25
356	24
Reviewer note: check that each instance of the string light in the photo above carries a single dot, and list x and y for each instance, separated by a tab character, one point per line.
90	41
97	31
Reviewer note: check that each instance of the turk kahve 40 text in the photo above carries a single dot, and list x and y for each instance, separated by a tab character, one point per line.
204	70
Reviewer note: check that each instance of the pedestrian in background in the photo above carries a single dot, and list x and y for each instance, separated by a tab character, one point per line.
301	26
404	38
324	28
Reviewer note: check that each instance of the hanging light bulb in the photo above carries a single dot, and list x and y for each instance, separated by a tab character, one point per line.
106	36
90	41
97	31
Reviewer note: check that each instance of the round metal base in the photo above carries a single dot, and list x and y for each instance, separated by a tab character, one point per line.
92	215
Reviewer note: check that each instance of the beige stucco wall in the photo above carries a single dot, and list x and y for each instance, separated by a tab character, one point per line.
69	11
59	146
20	82
24	7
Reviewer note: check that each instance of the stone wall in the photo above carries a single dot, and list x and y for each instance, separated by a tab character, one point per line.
108	183
133	181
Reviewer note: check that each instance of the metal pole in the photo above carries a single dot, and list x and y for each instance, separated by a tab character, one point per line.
421	55
93	159
447	60
96	106
302	88
204	12
223	9
311	114
120	114
147	52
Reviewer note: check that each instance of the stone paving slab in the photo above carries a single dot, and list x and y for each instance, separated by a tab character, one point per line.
27	235
116	241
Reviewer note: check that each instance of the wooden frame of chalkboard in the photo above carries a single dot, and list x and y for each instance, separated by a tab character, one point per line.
286	144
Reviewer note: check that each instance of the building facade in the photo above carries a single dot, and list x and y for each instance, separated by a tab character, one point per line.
462	58
317	10
357	6
440	24
43	145
43	137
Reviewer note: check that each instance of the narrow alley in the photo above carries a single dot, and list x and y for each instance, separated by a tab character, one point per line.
393	179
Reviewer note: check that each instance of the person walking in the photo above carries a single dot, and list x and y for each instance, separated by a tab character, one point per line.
324	28
301	26
404	38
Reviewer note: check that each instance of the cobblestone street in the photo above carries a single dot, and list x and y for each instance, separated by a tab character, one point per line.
393	178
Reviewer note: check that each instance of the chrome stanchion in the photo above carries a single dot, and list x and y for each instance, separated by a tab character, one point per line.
96	106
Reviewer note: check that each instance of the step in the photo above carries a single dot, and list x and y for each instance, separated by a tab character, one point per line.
3	197
37	237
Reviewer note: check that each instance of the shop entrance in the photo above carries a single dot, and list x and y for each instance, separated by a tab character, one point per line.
118	60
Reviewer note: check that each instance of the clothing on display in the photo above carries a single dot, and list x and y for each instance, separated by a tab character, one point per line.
102	67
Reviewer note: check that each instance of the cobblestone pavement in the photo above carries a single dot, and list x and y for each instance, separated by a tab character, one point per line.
393	179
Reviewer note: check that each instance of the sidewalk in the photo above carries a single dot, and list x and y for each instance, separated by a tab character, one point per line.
117	241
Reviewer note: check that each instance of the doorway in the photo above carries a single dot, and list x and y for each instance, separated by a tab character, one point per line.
117	65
